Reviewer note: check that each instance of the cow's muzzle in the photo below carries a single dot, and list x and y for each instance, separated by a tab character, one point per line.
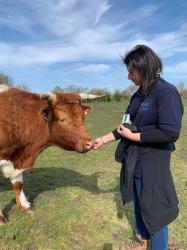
85	147
88	144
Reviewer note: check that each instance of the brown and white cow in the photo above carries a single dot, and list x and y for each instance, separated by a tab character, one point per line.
29	124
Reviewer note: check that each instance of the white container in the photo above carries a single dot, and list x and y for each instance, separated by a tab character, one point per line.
126	119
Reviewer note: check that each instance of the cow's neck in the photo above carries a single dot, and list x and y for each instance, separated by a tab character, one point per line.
29	155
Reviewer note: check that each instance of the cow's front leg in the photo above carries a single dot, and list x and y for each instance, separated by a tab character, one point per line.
21	200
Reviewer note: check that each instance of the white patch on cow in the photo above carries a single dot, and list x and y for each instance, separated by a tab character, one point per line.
8	170
17	178
24	201
3	87
1	214
15	175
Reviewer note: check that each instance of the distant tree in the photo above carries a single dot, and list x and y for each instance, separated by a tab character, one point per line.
58	89
6	79
181	87
23	87
108	97
83	90
117	95
97	91
75	88
184	93
125	94
129	91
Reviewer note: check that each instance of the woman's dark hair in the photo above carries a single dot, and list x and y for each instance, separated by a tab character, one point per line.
146	62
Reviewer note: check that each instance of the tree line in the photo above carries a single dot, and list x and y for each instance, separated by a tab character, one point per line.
117	95
7	80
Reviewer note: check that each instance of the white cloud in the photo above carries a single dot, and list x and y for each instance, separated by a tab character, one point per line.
169	43
177	69
18	23
62	18
139	14
166	44
104	7
93	68
66	18
184	27
75	31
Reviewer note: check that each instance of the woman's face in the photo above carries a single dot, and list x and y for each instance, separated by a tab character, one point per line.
134	76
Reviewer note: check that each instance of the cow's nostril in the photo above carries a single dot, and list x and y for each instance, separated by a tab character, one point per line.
88	143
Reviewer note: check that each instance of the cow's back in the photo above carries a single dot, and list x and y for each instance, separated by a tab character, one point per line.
21	119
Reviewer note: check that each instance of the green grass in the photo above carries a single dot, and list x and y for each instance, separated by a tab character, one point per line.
76	197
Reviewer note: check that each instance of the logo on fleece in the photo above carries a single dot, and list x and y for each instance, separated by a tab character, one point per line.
145	106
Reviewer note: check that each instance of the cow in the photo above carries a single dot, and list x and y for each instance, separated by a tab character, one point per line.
30	123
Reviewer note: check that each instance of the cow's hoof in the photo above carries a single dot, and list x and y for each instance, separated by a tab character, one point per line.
2	220
27	210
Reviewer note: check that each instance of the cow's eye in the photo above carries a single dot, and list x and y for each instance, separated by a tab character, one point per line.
62	120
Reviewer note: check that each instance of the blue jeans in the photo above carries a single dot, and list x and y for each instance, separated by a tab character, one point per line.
159	241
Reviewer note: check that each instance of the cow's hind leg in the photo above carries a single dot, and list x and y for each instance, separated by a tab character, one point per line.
21	200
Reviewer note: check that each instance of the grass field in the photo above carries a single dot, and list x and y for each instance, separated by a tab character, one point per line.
76	197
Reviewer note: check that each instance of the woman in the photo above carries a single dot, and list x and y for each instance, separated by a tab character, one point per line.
156	114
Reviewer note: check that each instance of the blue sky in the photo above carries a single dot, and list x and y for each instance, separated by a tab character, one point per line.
48	43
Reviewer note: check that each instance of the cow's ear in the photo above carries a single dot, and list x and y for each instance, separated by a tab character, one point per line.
86	109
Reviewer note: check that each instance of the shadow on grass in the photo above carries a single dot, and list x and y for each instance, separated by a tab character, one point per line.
39	180
107	246
126	210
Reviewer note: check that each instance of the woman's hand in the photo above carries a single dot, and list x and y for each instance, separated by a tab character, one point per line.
97	143
127	133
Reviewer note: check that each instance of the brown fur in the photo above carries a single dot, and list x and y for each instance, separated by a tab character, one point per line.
17	186
29	124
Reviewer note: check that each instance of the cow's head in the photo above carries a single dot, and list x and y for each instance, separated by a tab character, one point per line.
66	122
